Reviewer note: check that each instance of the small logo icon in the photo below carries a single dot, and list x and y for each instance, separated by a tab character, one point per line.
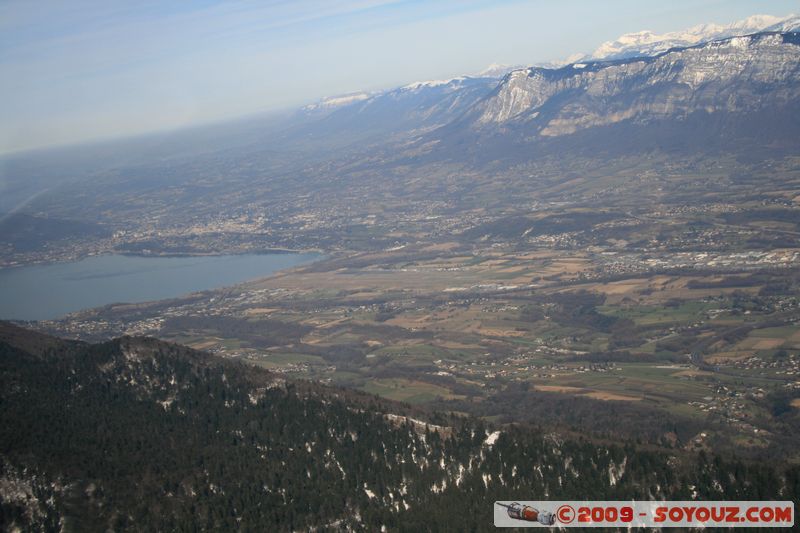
565	514
527	513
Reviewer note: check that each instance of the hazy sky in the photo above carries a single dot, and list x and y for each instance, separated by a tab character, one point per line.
73	70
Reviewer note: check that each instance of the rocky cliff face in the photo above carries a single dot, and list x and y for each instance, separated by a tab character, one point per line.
736	75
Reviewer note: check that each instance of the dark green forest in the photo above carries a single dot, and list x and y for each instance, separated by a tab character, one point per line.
140	435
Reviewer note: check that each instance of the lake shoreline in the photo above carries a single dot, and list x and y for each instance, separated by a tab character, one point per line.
81	257
51	291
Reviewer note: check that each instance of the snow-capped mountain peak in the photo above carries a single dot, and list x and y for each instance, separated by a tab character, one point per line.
650	43
433	83
790	23
497	70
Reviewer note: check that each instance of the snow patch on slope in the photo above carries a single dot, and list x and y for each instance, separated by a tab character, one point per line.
492	438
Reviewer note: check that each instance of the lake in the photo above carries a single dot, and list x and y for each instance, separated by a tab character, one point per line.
43	292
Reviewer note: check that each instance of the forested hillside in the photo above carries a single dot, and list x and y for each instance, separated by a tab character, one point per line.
137	434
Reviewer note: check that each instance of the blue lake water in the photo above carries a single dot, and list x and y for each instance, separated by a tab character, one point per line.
42	292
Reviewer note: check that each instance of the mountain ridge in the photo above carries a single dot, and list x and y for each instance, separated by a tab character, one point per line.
629	45
725	90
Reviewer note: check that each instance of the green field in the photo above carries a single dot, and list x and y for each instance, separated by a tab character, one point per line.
659	315
406	390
